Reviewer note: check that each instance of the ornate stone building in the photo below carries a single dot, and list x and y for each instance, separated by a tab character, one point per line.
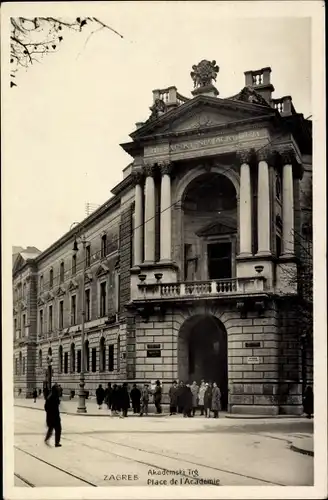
192	266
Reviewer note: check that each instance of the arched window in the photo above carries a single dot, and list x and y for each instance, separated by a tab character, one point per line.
51	278
40	358
24	365
86	356
118	354
60	359
72	362
16	366
20	363
102	355
49	352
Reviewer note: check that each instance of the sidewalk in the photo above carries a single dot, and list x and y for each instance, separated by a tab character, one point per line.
303	445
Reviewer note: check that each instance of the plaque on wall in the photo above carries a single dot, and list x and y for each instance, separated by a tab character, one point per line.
154	350
253	360
252	344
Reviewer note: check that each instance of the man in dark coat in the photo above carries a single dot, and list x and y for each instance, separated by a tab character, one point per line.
53	416
108	395
308	402
180	396
35	395
100	395
135	398
124	399
144	400
173	394
158	396
115	399
187	401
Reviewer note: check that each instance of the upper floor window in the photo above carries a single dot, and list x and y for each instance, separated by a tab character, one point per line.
104	245
61	314
24	322
24	290
15	327
87	305
74	264
103	298
73	310
41	321
41	283
62	272
51	278
88	256
50	319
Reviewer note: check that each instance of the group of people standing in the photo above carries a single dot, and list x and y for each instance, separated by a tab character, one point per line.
188	398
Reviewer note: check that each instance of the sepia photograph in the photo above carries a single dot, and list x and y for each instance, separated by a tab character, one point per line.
163	201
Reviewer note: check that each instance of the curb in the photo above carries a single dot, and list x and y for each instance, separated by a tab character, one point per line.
303	451
250	417
94	414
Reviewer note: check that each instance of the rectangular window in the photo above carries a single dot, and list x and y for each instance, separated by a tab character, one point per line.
278	246
111	357
117	291
16	366
103	298
73	310
50	319
51	278
87	305
61	314
24	320
94	359
78	359
41	322
62	272
41	283
66	362
104	245
74	265
24	365
88	256
15	327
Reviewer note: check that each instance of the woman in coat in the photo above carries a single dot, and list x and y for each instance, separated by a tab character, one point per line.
216	400
194	390
158	396
173	395
125	399
201	394
100	396
308	402
208	400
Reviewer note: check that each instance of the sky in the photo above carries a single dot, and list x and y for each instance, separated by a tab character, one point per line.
65	120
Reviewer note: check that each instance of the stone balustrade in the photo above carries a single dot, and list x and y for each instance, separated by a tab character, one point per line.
197	289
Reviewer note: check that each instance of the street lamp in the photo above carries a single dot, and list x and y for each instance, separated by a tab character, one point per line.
81	408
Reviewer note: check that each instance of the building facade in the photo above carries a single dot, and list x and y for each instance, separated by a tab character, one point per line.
192	268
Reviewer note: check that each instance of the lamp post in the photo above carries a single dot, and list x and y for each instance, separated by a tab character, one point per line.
81	408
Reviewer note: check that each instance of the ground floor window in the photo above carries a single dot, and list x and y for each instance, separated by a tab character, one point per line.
111	357
78	354
66	362
94	359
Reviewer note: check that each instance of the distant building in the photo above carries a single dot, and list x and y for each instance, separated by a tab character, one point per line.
191	267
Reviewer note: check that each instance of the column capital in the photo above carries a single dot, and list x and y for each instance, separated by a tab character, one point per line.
137	176
266	154
244	156
165	167
149	168
287	155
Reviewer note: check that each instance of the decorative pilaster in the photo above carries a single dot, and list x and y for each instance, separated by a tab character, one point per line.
149	224
138	218
263	204
245	206
166	220
287	203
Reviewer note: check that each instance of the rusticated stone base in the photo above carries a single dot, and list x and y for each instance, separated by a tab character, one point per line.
254	410
291	410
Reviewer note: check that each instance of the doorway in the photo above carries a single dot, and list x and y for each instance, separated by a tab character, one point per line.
203	353
219	260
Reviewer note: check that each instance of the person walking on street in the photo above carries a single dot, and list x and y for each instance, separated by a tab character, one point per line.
135	398
187	401
216	400
125	399
208	400
180	396
158	397
144	400
195	390
201	394
108	396
100	395
35	395
115	400
308	402
173	395
53	416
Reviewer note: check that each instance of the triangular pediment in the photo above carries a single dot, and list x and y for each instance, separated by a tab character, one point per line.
40	302
204	112
102	269
218	227
48	297
88	277
23	305
60	291
72	285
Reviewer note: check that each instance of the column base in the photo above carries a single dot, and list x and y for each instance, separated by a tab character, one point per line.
263	253
244	255
287	256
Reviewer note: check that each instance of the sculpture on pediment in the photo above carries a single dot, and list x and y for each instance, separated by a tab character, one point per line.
204	73
157	109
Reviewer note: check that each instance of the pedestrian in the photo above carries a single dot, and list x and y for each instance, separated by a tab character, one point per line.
158	396
144	400
60	390
53	416
100	396
208	400
109	396
135	398
187	401
216	400
35	395
180	396
308	402
115	400
195	390
201	394
173	395
124	399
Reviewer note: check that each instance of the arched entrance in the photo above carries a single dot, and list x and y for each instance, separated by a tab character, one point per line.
202	352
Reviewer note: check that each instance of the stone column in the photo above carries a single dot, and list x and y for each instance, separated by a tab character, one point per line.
138	219
245	206
149	225
287	203
263	205
166	221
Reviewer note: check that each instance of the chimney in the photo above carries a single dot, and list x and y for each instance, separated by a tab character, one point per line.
260	81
